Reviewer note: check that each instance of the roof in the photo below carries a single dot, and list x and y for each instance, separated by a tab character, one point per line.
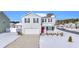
32	14
19	24
41	14
44	15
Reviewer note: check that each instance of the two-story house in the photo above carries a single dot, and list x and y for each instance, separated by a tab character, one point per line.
48	23
37	24
31	24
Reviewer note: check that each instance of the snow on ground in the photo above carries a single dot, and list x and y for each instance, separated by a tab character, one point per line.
7	38
53	41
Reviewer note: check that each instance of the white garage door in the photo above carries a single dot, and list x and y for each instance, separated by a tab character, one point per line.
32	31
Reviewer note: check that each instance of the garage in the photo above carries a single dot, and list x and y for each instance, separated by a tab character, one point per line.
31	31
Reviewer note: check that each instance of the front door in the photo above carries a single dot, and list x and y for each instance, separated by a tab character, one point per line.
42	29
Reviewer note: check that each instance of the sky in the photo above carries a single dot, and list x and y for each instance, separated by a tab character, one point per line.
60	15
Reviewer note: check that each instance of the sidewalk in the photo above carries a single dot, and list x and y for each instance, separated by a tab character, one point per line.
25	41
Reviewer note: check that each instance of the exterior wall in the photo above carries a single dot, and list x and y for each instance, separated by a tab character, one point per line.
12	25
4	22
31	31
31	28
13	29
49	24
49	31
35	28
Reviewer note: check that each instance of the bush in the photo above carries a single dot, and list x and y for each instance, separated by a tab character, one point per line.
61	34
70	39
19	33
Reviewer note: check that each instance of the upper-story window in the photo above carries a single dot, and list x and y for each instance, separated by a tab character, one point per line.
35	20
44	20
49	20
27	20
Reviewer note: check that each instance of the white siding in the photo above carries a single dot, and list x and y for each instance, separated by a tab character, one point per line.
49	23
35	28
31	28
31	31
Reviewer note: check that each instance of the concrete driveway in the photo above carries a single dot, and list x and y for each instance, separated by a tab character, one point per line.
7	38
25	41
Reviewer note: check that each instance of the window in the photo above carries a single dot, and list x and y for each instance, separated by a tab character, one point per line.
35	20
45	19
49	28
27	20
42	20
50	20
52	28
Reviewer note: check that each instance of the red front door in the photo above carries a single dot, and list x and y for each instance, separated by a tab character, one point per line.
42	30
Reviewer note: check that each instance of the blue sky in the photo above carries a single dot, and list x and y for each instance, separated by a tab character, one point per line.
60	15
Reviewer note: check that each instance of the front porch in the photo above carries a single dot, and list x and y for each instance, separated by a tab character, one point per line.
47	29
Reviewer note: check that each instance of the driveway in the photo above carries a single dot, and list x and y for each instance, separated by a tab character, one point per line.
7	38
25	41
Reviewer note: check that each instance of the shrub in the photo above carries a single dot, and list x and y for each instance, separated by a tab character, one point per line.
61	34
70	39
19	33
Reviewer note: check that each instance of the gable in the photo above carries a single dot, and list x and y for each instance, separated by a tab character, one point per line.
32	15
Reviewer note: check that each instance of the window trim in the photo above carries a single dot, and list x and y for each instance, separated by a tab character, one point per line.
35	20
27	20
49	19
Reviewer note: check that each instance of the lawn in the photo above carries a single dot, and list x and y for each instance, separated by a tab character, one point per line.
53	41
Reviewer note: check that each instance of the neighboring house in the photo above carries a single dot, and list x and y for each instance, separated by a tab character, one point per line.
70	25
15	25
48	23
18	25
61	26
37	24
4	22
77	25
12	25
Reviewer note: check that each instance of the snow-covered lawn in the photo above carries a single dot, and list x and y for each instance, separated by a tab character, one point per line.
53	41
7	38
